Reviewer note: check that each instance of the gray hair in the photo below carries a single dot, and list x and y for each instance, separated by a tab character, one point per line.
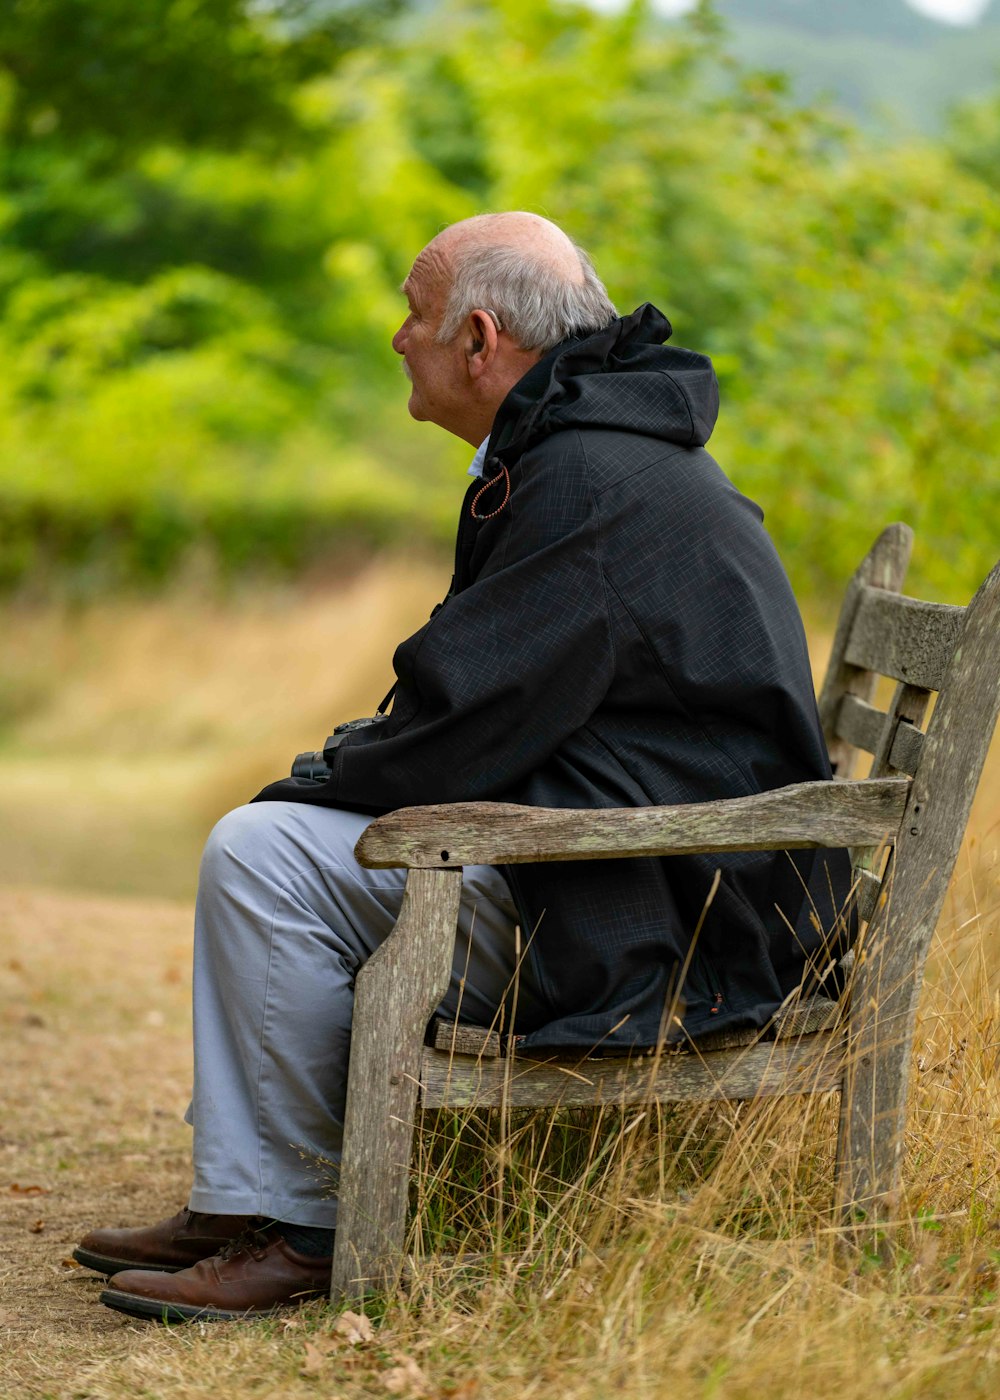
537	305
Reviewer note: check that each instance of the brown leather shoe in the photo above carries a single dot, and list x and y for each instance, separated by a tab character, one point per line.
170	1245
256	1274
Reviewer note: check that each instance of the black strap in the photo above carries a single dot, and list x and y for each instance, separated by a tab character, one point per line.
434	612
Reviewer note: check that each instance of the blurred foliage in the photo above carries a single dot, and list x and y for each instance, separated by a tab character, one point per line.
114	76
202	241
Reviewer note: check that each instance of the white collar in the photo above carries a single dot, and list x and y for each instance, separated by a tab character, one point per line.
479	460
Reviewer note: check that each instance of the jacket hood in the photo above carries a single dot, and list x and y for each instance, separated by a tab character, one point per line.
624	378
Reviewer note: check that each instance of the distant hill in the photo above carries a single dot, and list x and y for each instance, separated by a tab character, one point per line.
880	61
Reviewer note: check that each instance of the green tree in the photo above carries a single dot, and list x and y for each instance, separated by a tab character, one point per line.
194	336
194	72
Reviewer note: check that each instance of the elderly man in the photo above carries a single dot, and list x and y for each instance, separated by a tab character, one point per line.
618	632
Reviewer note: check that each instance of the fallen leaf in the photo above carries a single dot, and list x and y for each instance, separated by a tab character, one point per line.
37	1228
71	1264
314	1361
355	1328
406	1378
326	1346
17	1190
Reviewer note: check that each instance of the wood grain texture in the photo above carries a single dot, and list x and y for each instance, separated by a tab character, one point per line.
396	992
806	1017
890	962
803	1017
807	1065
873	864
498	833
884	566
454	1038
907	707
906	747
865	727
859	723
905	638
869	887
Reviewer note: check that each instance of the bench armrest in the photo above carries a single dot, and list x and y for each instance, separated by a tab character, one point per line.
804	815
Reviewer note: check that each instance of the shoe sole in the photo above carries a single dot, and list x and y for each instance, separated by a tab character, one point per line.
104	1264
153	1310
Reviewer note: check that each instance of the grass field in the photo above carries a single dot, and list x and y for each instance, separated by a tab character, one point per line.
641	1254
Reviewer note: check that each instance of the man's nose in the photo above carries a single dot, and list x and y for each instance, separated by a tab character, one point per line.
399	340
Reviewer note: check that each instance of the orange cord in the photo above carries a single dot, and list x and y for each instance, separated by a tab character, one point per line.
485	487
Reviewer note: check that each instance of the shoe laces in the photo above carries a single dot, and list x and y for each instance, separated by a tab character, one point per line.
251	1240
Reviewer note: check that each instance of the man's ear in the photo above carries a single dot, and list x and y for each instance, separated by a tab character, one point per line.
481	342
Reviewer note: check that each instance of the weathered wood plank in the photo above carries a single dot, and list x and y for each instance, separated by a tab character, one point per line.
457	1039
905	638
395	993
864	726
806	1017
859	723
793	1066
908	706
890	965
869	887
906	748
498	833
884	566
803	1017
732	1038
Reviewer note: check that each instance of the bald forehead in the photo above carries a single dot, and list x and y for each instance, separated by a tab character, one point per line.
516	229
433	269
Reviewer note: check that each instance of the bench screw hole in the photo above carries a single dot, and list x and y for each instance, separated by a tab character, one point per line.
444	855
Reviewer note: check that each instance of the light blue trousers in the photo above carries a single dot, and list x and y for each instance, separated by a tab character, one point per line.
284	919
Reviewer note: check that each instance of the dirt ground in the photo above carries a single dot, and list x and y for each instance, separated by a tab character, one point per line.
94	1021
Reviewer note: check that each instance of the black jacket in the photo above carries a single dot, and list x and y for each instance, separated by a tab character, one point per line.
620	633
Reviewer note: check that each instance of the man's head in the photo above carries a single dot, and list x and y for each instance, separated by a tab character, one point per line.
488	298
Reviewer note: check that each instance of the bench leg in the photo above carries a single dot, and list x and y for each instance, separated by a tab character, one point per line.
873	1123
395	995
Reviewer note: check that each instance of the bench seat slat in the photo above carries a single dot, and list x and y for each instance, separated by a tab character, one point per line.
808	1065
800	1017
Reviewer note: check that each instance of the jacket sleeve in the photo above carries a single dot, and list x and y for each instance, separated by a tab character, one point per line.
514	663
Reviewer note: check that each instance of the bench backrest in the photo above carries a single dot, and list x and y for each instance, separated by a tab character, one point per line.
923	648
945	662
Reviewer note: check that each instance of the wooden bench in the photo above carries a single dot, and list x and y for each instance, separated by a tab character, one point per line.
904	823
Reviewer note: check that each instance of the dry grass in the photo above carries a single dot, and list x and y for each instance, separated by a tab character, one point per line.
646	1255
147	720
